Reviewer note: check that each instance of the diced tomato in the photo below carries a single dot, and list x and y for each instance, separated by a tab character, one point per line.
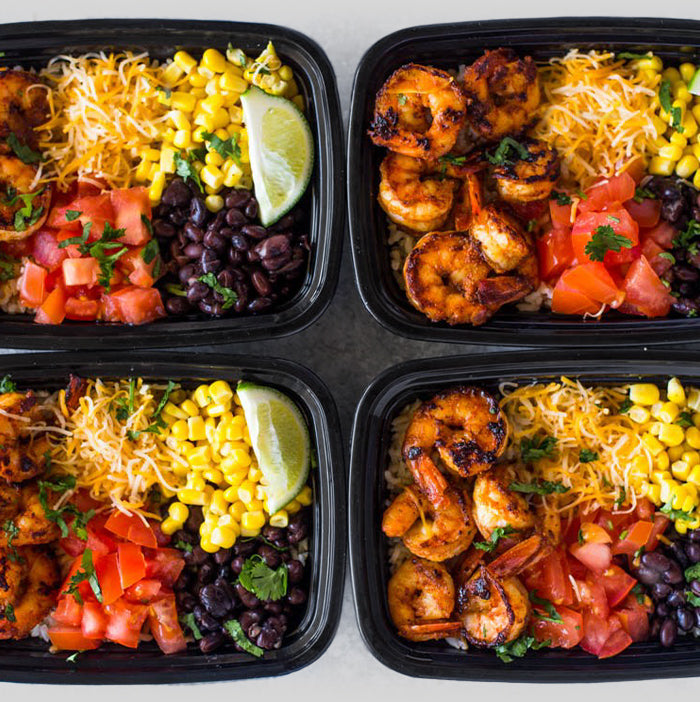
138	271
554	252
80	271
94	621
82	310
664	234
645	509
57	219
592	533
596	557
131	528
70	638
45	249
616	643
53	309
645	213
132	565
595	633
130	206
645	291
32	285
592	595
634	619
560	214
72	545
635	537
94	186
660	524
617	584
622	224
99	540
593	281
136	305
564	634
609	194
95	209
161	538
613	522
107	569
144	591
68	611
550	579
125	622
165	564
568	300
164	624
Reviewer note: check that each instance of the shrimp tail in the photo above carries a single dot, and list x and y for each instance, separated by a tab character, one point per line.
503	289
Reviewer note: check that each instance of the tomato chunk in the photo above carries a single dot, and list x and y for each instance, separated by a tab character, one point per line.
70	638
144	591
94	622
107	569
608	194
165	564
560	214
645	213
564	634
68	611
592	533
125	622
80	271
645	291
130	207
82	310
132	565
53	310
616	643
45	249
131	528
32	285
588	224
617	584
636	537
554	252
136	305
569	300
164	624
595	557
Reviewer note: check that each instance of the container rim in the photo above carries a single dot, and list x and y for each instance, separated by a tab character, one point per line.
507	328
29	661
327	202
395	387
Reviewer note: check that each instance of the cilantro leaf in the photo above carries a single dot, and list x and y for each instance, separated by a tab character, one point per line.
235	631
621	497
692	598
518	648
693	572
7	384
264	582
228	148
11	532
27	215
183	546
665	95
668	256
86	572
643	194
125	406
8	613
587	456
57	516
625	406
8	267
174	289
72	215
540	487
684	419
504	152
230	296
23	152
73	656
676	120
402	99
676	514
79	241
632	57
561	198
686	238
188	621
150	251
639	593
496	535
536	448
605	239
185	169
552	614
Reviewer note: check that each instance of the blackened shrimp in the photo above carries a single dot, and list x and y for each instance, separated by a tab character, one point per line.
421	597
427	532
502	93
528	179
419	112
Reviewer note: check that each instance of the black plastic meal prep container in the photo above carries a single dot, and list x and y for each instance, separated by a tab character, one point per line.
28	660
32	44
383	400
447	46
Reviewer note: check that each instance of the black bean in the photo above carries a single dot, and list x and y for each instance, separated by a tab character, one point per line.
655	628
215	600
273	608
244	547
247	598
193	250
163	230
177	194
213	309
193	233
260	283
285	223
251	209
252	256
239	242
274	263
198	212
185	273
292	269
237	198
218	221
196	292
694	535
676	599
685	619
206	622
206	573
223	556
177	305
235	258
693	552
254	231
193	522
295	571
686	274
269	555
268	639
177	217
226	278
276	535
656	561
296	596
197	556
660	591
274	247
237	565
667	633
209	261
186	601
695	586
673	576
235	218
214	241
226	232
250	617
262	303
211	642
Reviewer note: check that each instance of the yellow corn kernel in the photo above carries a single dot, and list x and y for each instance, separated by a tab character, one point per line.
195	482
661	166
213	158
189	408
678	139
216	409
652	492
178	512
172	73
638	414
212	176
240	457
293	507
689	125
212	103
298	100
197	431
190	496
223	536
671	434
254	504
667	486
219	503
280	519
672	152
196	80
675	392
644	394
662	461
211	191
671	74
678	495
692	437
253	520
237	510
174	411
213	475
179	119
680	470
232	176
235	478
201	395
198	134
204	120
693	400
232	82
687	71
246	491
183	101
156	190
675	452
182	139
220	118
206	72
184	61
221	391
208	545
254	474
687	166
142	171
285	73
680	91
653	444
234	432
305	497
169	526
231	494
692	458
668	412
694	476
214	61
247	533
236	116
214	203
695	111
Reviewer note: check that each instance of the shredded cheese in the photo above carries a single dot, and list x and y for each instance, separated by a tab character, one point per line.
104	111
97	449
578	418
597	113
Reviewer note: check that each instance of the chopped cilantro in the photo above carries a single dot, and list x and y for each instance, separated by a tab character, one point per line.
692	598
235	631
639	593
684	419
625	406
185	169
621	497
587	456
228	148
183	546
229	295
188	621
632	57
73	656
85	572
7	384
676	514
676	117
687	238
72	215
8	613
26	216
605	239
643	194
264	582
539	487
665	95
496	535
693	572
552	614
402	99
668	256
536	448
561	198
507	150
11	532
23	152
519	647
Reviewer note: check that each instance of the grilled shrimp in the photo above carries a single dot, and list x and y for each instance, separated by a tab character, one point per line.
493	610
18	461
16	179
434	534
527	180
421	597
418	112
465	426
502	240
411	197
502	93
21	506
21	109
29	585
496	505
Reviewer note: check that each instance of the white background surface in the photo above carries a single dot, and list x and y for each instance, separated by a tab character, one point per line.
345	29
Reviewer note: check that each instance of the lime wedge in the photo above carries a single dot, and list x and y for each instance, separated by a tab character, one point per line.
281	152
280	441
